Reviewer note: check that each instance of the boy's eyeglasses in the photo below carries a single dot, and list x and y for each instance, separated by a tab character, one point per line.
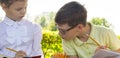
64	31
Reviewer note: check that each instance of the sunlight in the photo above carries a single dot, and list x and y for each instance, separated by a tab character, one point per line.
109	9
96	8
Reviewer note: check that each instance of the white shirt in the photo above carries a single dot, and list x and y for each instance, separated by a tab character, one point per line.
22	35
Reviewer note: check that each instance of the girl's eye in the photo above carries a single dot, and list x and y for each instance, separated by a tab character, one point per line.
18	9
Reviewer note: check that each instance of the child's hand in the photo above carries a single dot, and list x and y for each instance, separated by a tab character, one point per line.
20	54
100	47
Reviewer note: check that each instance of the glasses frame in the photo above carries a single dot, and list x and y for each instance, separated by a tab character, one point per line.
64	31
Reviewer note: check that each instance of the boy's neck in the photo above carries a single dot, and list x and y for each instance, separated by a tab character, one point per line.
84	37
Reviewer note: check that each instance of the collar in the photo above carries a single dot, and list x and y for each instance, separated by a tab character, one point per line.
10	22
80	43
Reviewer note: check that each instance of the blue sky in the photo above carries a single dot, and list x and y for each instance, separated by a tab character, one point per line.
108	9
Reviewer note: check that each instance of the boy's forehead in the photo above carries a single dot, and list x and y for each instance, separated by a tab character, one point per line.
62	25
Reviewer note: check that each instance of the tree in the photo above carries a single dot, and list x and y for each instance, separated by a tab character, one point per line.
100	21
47	21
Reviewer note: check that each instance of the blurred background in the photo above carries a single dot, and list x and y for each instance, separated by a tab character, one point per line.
108	9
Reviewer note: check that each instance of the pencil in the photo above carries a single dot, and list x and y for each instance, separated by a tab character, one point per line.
98	44
11	49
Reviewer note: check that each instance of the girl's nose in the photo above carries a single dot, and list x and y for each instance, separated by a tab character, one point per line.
23	11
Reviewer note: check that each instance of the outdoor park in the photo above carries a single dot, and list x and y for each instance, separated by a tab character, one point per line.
51	42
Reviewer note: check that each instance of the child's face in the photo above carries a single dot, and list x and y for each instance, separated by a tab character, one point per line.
17	10
67	32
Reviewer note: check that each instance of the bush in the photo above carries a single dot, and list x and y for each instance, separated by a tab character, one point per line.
118	36
51	43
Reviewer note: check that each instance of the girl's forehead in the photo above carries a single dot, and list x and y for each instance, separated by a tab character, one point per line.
19	1
19	4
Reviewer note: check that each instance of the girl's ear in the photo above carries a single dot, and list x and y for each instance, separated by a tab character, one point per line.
4	7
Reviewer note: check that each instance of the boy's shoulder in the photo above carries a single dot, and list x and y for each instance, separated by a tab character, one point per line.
102	29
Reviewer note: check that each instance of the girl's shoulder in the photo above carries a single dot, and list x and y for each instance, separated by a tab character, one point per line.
32	24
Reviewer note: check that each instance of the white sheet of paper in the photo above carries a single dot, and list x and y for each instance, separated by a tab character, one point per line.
106	54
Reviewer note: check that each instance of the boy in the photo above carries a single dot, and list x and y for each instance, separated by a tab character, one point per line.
17	33
71	21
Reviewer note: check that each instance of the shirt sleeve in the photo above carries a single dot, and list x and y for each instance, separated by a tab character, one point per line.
114	42
37	49
68	47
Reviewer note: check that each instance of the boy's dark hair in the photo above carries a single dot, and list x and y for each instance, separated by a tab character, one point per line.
71	13
8	2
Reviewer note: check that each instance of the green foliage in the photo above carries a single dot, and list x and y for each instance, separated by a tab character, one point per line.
100	21
118	36
42	22
51	43
47	21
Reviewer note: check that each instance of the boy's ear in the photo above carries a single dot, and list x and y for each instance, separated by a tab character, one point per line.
80	26
4	7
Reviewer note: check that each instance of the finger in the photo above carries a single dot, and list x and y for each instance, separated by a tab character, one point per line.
20	54
103	47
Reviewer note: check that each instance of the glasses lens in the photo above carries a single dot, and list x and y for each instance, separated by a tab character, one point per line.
61	31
